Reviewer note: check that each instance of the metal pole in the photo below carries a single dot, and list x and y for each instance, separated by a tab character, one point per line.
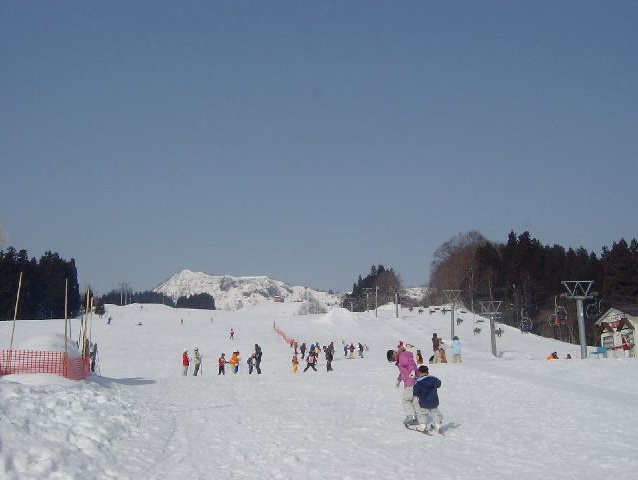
452	323
396	302
581	327
376	301
493	335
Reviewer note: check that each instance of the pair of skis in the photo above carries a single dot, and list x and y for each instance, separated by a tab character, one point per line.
427	431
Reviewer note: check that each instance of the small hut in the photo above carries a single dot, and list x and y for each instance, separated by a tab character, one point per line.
617	328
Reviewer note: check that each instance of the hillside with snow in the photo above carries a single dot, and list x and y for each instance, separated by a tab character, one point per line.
516	415
234	293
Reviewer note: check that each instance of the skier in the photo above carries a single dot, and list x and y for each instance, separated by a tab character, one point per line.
198	361
404	361
250	362
222	364
425	389
295	362
456	350
419	357
185	362
311	360
108	322
232	334
360	350
345	350
302	349
257	355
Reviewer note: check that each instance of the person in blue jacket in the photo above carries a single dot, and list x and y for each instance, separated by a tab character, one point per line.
456	350
426	389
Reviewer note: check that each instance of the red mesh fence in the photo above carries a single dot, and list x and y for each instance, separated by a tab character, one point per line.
281	333
56	363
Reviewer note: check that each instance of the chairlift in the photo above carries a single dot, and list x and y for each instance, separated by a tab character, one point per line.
526	322
559	317
478	325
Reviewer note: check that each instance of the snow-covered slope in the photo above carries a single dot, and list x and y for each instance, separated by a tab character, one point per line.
517	415
233	293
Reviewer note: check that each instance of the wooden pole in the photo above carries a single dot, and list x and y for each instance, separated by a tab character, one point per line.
15	313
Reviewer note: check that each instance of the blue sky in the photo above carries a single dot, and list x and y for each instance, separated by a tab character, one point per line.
306	140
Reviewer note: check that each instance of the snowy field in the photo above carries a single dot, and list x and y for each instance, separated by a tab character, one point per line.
517	416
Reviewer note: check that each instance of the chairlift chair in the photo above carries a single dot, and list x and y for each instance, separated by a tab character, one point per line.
478	325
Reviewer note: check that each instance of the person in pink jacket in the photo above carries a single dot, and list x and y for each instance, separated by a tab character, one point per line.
404	360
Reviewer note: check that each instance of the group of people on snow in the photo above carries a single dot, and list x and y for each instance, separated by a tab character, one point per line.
439	348
253	362
311	355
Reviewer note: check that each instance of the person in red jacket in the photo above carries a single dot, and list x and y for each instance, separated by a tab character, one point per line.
185	362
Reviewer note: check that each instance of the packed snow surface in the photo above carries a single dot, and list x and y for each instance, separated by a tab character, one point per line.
515	416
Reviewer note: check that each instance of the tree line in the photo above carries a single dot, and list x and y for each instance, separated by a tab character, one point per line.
203	301
42	291
380	286
526	276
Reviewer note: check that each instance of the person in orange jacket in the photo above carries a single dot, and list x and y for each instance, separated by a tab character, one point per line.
552	356
185	363
234	361
295	363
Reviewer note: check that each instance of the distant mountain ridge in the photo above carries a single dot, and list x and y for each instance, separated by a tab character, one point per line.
233	293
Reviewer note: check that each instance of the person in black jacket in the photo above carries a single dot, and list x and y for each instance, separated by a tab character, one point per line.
258	358
425	388
329	358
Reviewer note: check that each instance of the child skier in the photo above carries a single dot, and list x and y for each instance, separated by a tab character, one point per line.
222	364
425	388
185	363
250	362
456	350
312	360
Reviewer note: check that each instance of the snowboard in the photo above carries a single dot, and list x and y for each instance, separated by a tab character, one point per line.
426	431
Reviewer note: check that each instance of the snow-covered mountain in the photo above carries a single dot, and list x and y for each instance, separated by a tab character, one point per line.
233	293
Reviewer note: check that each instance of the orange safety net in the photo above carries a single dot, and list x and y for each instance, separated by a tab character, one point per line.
56	363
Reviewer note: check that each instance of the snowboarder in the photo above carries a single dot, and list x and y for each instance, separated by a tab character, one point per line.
552	356
185	362
258	354
404	361
425	389
222	364
197	361
311	360
456	350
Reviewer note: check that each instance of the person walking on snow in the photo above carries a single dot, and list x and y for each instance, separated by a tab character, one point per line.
232	334
456	350
425	389
222	364
234	361
185	363
329	359
404	361
295	363
250	362
198	361
351	349
360	350
435	348
258	354
302	349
